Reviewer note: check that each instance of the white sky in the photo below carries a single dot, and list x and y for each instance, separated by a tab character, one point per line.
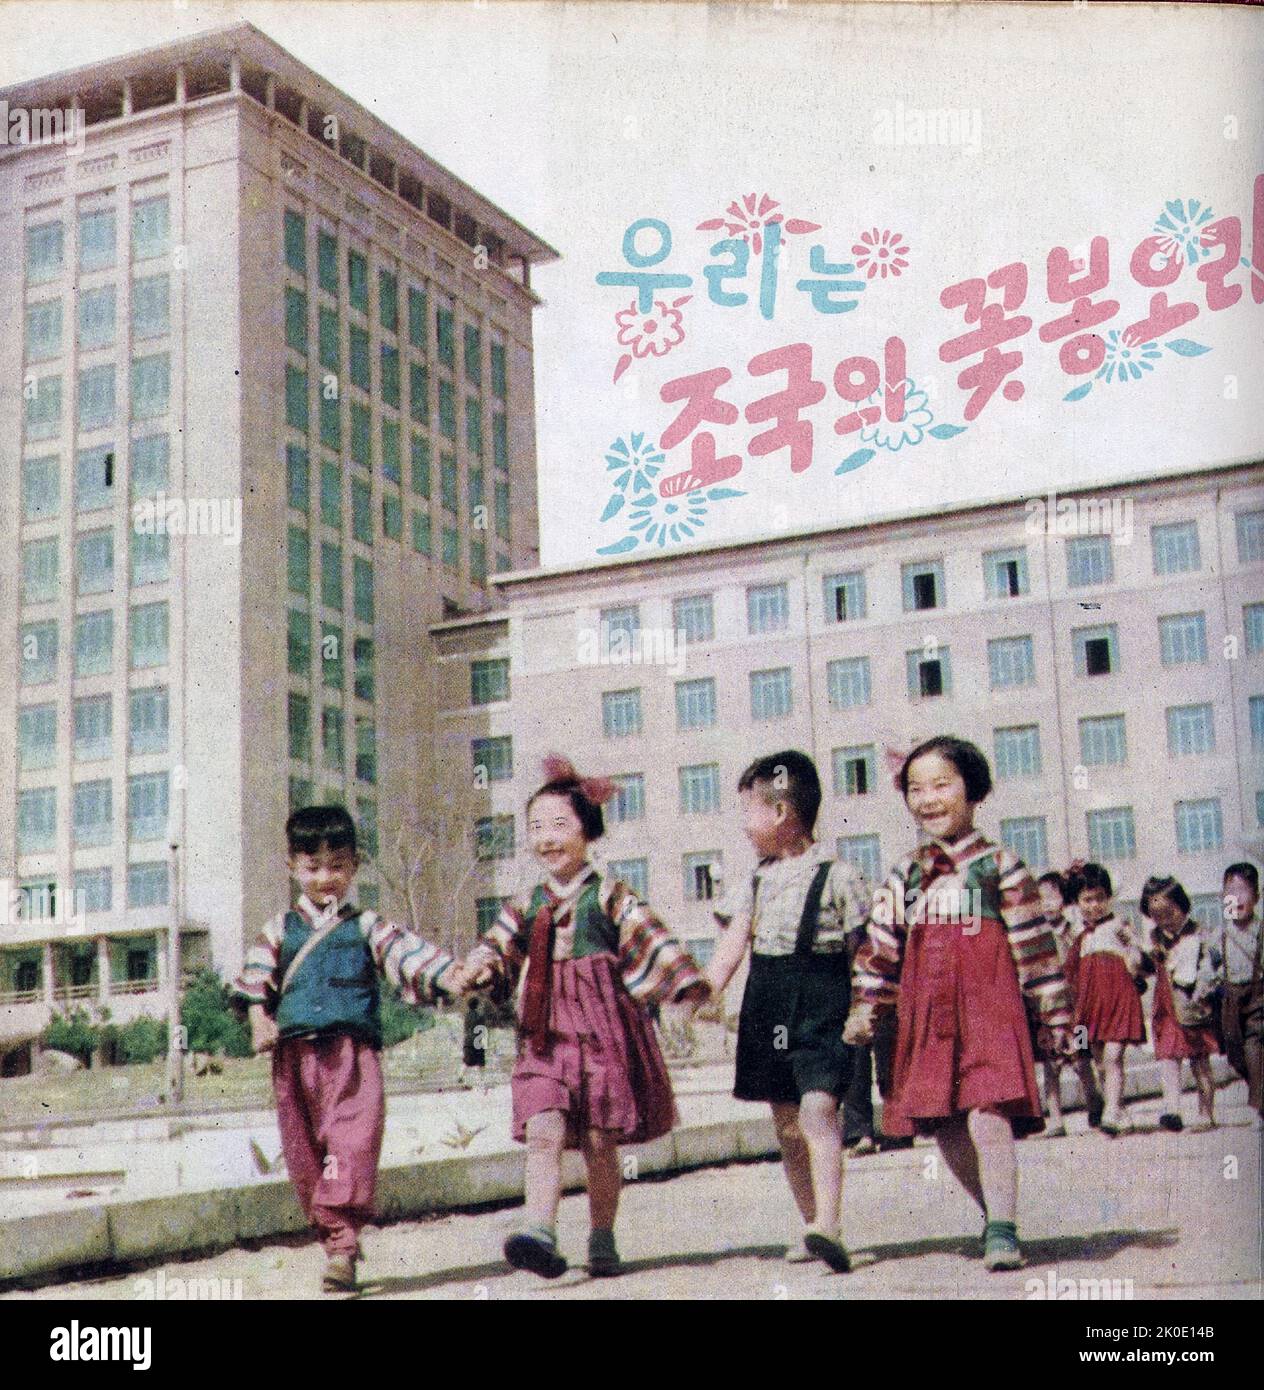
578	119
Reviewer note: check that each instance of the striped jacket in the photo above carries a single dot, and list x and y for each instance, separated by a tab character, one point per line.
411	966
1001	887
654	966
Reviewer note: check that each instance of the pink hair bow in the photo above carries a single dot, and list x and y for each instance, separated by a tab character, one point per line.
598	790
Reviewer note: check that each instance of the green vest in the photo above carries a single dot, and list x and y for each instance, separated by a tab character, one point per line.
594	931
335	989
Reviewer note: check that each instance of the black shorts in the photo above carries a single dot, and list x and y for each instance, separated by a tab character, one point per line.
790	1033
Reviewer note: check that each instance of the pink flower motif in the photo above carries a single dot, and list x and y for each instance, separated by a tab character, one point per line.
882	252
649	335
748	219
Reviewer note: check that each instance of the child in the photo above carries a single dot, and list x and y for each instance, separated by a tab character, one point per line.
795	918
311	985
1242	1006
1107	964
963	1070
589	1074
1056	898
1181	1023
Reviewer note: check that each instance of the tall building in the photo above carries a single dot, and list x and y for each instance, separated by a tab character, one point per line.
269	418
1114	678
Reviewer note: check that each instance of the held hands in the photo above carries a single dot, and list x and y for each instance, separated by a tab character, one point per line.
858	1030
1056	1041
690	998
263	1030
465	976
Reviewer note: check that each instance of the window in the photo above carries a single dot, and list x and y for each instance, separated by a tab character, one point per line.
94	728
1259	808
38	643
700	788
419	392
1011	662
473	355
331	575
635	873
44	247
361	511
629	797
474	426
96	317
299	726
327	261
489	681
149	635
1191	730
928	676
358	281
855	770
702	874
37	737
1253	625
332	743
1175	547
486	911
493	760
1096	650
417	317
94	643
332	666
501	492
390	451
331	420
147	720
448	492
1028	838
388	301
767	608
296	320
621	713
1183	638
445	335
147	885
97	236
298	561
1005	572
447	409
37	820
96	397
151	388
151	311
862	852
362	655
331	496
297	477
1103	740
361	369
1112	834
923	586
95	562
619	630
770	693
40	563
478	560
499	383
93	813
695	704
328	342
422	537
366	750
848	682
1198	826
43	409
296	241
150	456
392	516
500	441
298	642
147	806
41	489
1018	751
421	466
694	615
494	837
844	597
362	589
43	330
1090	560
150	558
151	228
1250	530
94	890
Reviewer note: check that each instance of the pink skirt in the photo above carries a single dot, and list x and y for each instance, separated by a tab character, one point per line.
1107	1002
1172	1042
599	1064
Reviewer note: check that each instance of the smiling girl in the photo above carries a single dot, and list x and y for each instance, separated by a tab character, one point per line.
962	986
589	1074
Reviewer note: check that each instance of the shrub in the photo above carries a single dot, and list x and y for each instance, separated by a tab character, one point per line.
73	1033
141	1040
208	1015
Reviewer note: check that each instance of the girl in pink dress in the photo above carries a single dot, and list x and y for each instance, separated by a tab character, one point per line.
1106	962
589	1074
1185	981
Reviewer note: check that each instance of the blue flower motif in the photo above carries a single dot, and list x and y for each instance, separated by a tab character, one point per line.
657	520
1179	228
1127	360
917	419
634	461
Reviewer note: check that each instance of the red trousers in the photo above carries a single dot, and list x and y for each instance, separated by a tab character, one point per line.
331	1111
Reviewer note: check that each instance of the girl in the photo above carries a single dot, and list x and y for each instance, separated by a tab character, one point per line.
963	1066
1108	966
589	1074
1056	898
1181	1024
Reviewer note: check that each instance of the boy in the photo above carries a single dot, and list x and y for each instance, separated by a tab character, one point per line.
310	982
796	917
1242	1004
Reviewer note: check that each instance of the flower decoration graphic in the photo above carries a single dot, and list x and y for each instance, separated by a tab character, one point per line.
1128	358
748	217
880	254
1178	229
649	335
916	426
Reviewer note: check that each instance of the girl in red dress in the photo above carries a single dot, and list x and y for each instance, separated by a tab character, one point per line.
1106	961
1181	1024
957	943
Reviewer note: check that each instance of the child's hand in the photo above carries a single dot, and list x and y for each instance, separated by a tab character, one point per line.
456	979
264	1033
858	1030
697	993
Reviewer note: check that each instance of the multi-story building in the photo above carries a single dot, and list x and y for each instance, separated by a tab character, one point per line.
1114	679
267	417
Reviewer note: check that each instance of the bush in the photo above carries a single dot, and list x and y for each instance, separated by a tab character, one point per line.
141	1040
212	1023
73	1033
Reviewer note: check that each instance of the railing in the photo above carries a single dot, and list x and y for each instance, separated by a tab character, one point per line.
75	992
132	986
22	996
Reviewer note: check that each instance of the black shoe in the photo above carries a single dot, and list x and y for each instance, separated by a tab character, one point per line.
888	1142
1174	1123
1095	1113
826	1248
526	1250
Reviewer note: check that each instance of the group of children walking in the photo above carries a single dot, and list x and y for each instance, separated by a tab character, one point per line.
982	970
